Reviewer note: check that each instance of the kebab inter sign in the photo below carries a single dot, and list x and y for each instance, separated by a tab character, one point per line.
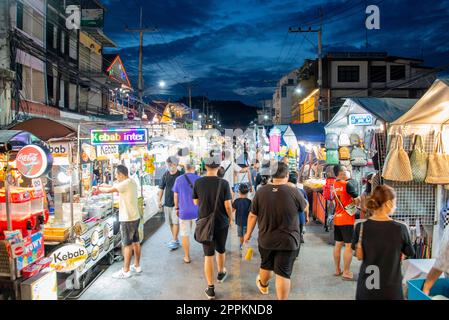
119	136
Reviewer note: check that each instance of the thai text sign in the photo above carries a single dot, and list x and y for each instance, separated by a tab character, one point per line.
361	119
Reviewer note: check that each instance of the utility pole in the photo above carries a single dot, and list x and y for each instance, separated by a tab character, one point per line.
141	31
319	31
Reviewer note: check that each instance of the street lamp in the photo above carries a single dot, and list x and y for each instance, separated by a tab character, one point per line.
265	117
162	84
298	91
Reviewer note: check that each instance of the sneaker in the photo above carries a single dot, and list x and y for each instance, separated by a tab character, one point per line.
172	245
121	274
136	269
301	238
263	289
241	247
222	276
210	293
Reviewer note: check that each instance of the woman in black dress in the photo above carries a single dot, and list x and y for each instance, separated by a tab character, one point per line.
384	243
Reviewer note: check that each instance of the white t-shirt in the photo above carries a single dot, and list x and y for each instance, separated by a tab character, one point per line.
128	208
442	262
229	175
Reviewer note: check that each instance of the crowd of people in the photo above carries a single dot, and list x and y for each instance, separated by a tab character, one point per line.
271	198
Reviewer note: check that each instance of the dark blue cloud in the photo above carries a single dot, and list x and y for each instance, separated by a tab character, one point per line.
232	49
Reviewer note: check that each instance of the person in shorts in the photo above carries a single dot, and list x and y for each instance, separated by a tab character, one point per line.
241	207
207	191
275	209
129	218
347	193
166	186
187	211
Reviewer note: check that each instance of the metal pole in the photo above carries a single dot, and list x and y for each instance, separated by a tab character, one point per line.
71	195
140	60
8	215
320	72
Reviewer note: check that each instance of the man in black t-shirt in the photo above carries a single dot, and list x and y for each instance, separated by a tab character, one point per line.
167	183
275	208
205	194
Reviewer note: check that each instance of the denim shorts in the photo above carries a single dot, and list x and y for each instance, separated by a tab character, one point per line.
241	231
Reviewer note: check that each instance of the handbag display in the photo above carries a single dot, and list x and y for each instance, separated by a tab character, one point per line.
204	231
418	161
344	153
332	141
397	164
358	157
438	166
354	139
344	140
332	157
345	163
359	248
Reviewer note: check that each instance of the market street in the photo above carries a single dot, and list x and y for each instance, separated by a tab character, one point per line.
166	277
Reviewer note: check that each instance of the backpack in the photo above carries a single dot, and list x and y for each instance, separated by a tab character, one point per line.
344	153
329	189
358	157
332	157
344	140
332	141
354	139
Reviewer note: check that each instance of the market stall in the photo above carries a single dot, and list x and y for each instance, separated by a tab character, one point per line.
24	159
423	199
283	143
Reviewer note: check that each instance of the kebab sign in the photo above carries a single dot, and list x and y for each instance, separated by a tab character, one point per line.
69	258
119	136
32	161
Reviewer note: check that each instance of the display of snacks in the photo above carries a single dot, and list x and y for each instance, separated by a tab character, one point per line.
57	234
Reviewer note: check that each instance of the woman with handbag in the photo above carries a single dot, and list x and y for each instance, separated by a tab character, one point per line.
380	243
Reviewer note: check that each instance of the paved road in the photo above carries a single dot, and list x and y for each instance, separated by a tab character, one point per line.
166	277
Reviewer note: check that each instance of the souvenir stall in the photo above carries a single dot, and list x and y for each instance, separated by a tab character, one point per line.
422	182
24	161
310	138
283	143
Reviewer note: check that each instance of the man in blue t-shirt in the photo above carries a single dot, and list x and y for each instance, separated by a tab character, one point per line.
186	210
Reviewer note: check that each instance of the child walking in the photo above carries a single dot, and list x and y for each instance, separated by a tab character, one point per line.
241	208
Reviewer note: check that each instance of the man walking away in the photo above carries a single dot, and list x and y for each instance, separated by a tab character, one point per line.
208	191
275	208
346	193
129	221
186	210
167	183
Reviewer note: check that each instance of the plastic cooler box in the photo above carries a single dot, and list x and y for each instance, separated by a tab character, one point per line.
441	287
20	209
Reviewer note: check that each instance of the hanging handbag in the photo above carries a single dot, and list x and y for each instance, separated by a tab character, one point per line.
344	140
345	163
397	165
358	157
438	167
359	248
354	139
204	231
350	209
418	160
332	141
332	157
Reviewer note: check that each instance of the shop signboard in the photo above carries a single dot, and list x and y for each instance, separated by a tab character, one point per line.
119	137
33	250
107	151
32	161
361	119
60	153
68	258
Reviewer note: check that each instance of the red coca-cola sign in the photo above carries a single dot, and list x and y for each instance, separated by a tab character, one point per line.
31	161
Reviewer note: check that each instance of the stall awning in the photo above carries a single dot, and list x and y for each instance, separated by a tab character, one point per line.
18	138
432	108
384	109
46	129
310	132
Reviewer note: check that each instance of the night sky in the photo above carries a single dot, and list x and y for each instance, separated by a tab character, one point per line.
236	50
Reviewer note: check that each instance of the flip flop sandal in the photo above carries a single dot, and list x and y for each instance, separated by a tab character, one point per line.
337	275
186	262
348	279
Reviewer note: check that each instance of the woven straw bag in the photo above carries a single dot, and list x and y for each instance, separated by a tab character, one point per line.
438	167
418	161
397	165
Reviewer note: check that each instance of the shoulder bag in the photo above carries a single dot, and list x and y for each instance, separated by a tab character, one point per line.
204	231
397	165
359	248
438	170
351	208
418	161
188	181
332	141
